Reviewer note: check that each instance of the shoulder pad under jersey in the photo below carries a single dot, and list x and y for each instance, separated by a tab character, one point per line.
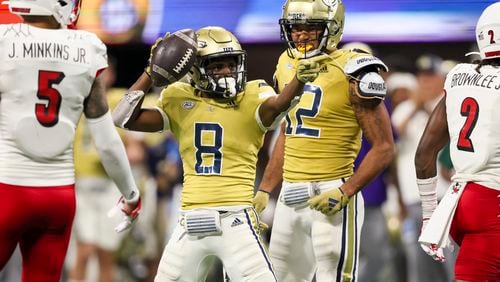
361	62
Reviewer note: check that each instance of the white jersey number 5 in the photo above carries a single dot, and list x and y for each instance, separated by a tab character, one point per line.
47	113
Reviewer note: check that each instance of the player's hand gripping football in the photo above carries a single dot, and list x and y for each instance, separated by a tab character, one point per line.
129	210
260	201
329	202
308	69
432	249
147	70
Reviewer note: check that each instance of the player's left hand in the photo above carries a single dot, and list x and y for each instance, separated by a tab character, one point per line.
129	211
329	202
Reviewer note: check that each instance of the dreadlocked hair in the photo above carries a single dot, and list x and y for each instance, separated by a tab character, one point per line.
487	62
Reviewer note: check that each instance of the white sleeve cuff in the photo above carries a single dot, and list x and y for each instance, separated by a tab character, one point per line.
428	196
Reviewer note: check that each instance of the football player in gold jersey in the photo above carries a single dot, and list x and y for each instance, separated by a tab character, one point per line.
219	120
319	214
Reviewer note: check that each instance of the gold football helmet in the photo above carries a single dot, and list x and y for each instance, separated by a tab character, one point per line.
328	14
216	43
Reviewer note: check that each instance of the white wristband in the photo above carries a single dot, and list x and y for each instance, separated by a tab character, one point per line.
126	107
428	196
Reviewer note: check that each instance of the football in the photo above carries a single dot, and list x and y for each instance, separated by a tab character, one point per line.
173	57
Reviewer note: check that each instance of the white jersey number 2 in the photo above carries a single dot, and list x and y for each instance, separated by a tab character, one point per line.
470	110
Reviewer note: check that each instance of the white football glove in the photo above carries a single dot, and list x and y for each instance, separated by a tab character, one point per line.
129	212
432	249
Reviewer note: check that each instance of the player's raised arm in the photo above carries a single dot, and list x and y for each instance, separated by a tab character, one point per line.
129	113
170	59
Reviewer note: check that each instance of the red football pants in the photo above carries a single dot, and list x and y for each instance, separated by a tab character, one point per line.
476	229
39	219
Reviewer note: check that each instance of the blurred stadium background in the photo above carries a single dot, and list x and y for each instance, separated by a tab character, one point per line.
399	32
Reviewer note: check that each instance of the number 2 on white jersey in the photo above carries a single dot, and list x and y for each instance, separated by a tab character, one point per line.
470	110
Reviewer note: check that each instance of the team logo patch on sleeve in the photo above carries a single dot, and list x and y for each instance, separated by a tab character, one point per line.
188	105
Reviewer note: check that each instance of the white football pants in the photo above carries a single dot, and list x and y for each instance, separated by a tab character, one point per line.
305	241
239	247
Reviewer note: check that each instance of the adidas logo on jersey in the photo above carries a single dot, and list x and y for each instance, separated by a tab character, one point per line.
236	222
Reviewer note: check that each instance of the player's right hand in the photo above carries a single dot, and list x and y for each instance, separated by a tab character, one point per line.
129	211
260	201
329	202
308	69
432	249
147	70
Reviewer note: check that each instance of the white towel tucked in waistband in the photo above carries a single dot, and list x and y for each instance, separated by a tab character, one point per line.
438	228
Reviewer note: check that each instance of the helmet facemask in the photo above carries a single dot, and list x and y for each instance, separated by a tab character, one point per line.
222	85
217	49
307	48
